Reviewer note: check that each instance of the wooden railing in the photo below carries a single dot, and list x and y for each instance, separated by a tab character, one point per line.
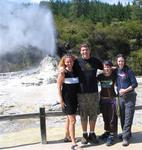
42	116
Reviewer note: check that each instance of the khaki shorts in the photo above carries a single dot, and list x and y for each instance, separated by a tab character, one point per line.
88	106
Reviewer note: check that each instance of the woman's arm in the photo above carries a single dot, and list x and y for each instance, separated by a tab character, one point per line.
133	83
124	91
133	79
60	80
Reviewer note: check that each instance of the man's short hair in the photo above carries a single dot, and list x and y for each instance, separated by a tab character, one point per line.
86	45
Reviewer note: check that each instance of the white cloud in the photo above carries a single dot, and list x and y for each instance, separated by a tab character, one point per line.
116	1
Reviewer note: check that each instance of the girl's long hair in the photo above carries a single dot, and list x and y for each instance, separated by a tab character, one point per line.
125	68
62	61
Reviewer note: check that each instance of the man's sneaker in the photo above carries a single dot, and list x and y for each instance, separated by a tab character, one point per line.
104	136
110	140
125	142
93	138
84	139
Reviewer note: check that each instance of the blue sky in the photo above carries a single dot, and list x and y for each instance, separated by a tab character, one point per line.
107	1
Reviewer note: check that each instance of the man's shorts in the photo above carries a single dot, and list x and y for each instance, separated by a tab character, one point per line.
88	106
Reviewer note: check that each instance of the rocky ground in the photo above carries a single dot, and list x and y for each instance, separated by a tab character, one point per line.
27	92
31	98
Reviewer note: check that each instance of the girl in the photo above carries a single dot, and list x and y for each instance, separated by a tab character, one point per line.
126	83
68	84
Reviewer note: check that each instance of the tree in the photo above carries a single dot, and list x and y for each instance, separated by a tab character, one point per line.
137	10
135	61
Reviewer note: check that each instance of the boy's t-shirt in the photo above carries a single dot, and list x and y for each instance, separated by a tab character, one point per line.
107	85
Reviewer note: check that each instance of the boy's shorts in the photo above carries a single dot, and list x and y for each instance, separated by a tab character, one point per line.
88	106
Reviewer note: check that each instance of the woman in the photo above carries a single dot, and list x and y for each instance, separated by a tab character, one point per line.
108	103
68	84
126	83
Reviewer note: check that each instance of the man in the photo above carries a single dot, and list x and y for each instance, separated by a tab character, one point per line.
88	98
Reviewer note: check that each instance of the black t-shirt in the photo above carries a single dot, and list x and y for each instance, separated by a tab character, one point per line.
107	85
86	71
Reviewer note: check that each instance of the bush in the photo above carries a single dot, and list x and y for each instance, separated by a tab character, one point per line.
135	61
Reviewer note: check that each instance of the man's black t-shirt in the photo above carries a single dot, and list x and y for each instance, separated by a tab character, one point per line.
86	71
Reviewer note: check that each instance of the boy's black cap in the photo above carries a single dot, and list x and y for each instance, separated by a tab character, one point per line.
108	62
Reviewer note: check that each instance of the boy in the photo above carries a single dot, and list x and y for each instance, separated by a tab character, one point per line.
108	103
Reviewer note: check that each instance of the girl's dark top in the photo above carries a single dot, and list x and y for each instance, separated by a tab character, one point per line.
86	70
69	92
107	85
125	78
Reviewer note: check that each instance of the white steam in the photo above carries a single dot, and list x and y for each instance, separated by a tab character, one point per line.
26	25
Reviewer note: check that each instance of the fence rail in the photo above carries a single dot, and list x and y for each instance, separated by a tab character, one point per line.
29	115
42	116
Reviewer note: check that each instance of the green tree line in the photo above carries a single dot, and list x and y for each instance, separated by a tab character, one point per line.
109	29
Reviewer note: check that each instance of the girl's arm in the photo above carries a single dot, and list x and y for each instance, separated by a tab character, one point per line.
60	80
124	91
133	83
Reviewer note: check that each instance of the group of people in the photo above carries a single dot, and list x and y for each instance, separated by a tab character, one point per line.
78	91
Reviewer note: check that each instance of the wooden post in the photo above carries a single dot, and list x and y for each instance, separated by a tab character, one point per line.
43	125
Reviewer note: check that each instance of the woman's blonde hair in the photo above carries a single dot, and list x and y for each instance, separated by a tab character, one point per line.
62	61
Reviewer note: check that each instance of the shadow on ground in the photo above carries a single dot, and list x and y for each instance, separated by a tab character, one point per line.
136	138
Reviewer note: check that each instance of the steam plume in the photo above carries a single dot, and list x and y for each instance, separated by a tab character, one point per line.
26	25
